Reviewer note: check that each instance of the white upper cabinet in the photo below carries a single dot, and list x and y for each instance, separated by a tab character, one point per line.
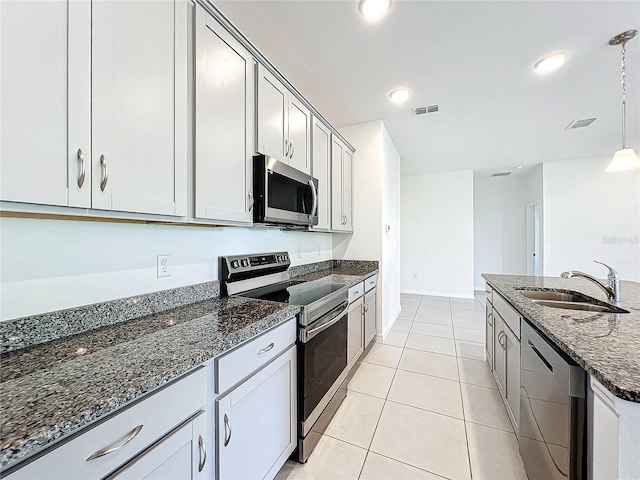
341	187
45	113
321	157
283	123
224	123
94	104
139	106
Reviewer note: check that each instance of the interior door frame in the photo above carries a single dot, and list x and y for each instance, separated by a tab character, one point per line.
534	238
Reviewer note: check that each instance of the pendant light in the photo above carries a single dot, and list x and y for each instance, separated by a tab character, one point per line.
625	158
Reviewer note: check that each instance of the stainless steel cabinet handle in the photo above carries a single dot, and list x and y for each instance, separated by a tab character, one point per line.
251	201
107	451
266	349
489	319
286	148
202	450
366	306
540	356
227	430
105	173
314	194
291	150
82	168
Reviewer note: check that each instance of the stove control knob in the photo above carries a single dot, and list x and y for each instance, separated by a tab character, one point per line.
280	258
235	264
245	262
286	258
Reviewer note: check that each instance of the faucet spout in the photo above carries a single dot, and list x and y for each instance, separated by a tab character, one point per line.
612	290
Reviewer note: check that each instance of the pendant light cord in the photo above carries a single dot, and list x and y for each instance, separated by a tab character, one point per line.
623	77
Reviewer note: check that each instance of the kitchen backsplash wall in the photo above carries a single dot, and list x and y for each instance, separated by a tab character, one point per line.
48	265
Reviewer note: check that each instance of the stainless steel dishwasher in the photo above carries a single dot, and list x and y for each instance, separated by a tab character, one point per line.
552	430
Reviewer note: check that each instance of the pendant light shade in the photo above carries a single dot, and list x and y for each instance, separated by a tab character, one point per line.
625	158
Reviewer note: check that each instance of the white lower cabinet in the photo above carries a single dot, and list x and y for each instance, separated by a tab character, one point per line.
158	434
256	422
181	454
489	333
506	355
355	333
370	300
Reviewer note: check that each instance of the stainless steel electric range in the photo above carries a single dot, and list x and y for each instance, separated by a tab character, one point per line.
322	334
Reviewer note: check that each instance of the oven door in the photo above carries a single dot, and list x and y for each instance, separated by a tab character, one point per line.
283	194
322	364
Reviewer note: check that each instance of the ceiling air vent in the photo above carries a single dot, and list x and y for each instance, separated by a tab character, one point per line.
580	123
423	110
501	174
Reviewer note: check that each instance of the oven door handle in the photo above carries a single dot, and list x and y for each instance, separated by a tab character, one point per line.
306	336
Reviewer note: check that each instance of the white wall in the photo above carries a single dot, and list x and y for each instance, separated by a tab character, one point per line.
591	215
376	204
48	265
500	226
437	234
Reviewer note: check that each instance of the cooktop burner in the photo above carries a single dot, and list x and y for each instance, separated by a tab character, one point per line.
294	292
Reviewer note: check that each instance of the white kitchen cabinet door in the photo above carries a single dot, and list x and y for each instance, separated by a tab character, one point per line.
45	102
273	113
224	122
139	106
181	454
355	334
299	136
341	187
256	422
512	376
369	317
499	353
489	334
321	158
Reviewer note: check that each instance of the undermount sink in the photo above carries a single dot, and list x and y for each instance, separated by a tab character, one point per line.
569	301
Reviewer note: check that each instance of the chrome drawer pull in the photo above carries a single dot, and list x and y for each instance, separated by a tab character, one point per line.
291	151
227	430
107	451
266	349
202	450
105	173
82	171
251	201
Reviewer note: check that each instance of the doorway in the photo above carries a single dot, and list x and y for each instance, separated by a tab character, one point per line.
534	239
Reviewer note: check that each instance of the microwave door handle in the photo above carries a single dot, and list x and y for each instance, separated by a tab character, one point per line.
314	193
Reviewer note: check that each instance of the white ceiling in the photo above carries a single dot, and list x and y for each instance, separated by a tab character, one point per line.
474	59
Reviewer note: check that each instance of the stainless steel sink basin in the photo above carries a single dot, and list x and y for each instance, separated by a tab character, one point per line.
569	301
590	307
552	295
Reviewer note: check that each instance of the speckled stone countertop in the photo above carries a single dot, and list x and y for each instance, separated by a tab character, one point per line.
346	272
606	345
52	389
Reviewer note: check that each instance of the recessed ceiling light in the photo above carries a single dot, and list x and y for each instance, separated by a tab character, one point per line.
399	95
550	63
374	10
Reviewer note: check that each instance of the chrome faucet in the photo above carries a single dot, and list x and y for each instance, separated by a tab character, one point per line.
612	290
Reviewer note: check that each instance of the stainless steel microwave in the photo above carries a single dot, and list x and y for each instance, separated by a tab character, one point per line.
283	195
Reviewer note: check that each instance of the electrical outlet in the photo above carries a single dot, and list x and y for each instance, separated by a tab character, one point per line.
299	252
319	252
415	275
164	266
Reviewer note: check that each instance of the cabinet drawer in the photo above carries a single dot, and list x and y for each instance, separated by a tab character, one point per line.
249	357
157	414
356	292
370	282
488	292
508	314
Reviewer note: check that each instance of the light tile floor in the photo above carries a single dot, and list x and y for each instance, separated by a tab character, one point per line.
423	404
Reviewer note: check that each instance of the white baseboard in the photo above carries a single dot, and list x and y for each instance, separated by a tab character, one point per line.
440	294
380	337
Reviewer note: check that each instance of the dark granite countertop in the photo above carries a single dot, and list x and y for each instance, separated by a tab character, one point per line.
61	371
52	389
606	345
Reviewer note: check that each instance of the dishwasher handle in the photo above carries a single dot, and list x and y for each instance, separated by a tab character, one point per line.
540	356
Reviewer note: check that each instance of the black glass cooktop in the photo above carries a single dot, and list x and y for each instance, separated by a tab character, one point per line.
294	293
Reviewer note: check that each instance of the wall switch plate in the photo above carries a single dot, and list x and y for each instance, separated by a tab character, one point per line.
299	252
164	266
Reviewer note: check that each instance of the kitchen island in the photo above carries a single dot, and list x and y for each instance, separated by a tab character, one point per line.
606	346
